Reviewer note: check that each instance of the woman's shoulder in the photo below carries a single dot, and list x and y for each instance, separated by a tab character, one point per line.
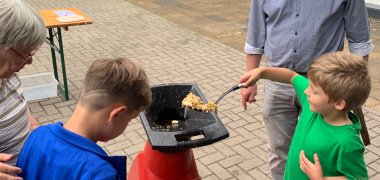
14	79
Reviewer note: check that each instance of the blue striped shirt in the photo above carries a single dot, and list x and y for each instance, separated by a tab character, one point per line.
292	33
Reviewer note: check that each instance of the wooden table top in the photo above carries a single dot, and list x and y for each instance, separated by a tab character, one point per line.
49	18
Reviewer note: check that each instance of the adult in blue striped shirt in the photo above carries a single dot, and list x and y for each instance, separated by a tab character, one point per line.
291	34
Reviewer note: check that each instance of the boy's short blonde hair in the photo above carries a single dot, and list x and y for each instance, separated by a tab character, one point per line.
342	75
109	81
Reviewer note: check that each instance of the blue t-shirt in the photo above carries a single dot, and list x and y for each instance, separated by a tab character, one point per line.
52	152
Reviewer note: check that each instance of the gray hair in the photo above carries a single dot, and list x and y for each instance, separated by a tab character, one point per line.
20	26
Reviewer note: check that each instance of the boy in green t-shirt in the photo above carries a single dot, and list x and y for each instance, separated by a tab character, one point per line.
326	142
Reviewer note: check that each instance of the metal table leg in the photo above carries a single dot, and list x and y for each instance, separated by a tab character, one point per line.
63	90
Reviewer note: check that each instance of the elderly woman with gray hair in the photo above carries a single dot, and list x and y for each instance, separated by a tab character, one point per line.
22	32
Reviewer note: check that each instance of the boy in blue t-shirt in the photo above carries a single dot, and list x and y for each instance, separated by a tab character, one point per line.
326	142
114	92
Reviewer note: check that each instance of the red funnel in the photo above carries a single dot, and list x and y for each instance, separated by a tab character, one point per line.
156	165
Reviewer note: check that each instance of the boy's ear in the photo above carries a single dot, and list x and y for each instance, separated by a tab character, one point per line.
117	111
340	104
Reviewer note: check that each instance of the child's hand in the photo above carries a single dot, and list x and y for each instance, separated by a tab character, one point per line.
313	171
250	77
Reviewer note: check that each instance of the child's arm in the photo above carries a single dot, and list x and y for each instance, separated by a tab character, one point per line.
314	171
282	75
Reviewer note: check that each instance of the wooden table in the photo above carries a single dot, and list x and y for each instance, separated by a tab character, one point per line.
49	18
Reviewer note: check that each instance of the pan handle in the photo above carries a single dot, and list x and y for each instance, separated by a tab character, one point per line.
233	88
238	86
185	143
194	143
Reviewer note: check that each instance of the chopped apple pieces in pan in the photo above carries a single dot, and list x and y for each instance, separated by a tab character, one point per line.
194	102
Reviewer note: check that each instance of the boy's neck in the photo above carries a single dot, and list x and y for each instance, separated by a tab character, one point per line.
80	123
336	118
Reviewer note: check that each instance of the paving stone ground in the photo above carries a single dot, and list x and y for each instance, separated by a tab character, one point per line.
171	53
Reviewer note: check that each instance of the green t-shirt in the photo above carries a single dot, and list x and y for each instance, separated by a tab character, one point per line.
339	148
